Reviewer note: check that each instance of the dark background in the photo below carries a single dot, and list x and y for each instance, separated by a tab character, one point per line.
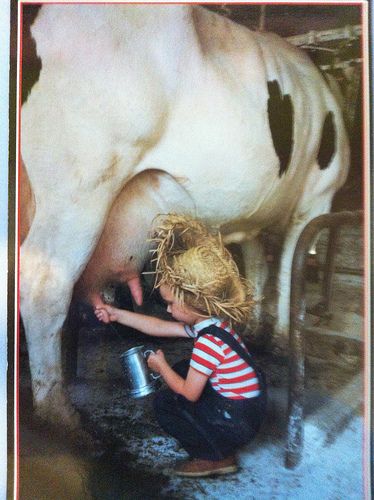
289	20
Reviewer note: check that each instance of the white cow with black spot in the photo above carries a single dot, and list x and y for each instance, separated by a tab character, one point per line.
157	108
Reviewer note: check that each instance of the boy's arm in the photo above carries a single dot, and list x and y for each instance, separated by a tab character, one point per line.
149	325
191	387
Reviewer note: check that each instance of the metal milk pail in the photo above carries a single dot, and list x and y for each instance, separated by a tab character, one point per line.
138	378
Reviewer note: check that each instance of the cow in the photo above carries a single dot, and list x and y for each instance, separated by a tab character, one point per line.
236	127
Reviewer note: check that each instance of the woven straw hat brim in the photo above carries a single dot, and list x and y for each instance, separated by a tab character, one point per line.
199	270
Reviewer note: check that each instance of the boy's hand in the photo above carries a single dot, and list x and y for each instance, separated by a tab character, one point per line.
156	361
106	314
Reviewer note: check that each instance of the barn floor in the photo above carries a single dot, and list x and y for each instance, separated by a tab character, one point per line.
135	457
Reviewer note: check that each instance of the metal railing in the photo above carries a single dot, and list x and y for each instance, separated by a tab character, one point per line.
332	35
332	221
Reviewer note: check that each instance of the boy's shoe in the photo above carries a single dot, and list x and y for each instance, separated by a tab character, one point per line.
201	468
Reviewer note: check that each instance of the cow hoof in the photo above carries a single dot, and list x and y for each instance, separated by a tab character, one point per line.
279	345
57	410
66	418
259	334
68	424
58	414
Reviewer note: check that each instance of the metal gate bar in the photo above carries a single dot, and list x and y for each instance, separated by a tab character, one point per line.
332	221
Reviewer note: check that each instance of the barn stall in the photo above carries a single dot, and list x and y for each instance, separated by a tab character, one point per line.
333	334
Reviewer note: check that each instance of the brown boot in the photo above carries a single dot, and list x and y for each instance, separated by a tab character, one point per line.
202	468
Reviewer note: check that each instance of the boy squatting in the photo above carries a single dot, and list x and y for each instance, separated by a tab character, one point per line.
215	402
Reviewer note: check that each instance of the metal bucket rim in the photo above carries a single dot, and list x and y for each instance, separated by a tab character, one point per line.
131	351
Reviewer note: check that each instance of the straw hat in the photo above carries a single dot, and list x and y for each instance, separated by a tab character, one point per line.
200	271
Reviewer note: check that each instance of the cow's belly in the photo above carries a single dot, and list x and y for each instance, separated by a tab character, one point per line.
221	149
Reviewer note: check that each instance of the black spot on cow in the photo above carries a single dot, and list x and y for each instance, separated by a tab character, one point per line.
328	142
280	112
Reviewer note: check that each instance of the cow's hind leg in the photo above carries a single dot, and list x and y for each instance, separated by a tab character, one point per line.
45	297
51	261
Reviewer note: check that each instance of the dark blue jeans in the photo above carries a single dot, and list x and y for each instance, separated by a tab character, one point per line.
212	428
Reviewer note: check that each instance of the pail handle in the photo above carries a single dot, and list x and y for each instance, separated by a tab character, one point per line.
149	351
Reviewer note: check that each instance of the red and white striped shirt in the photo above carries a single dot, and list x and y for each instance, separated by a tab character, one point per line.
228	374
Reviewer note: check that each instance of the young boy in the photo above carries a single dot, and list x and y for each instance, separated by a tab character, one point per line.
216	402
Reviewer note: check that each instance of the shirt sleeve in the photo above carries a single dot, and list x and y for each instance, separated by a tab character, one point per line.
207	354
190	332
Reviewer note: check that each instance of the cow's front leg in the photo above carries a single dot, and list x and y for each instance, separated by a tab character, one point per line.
256	271
45	296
